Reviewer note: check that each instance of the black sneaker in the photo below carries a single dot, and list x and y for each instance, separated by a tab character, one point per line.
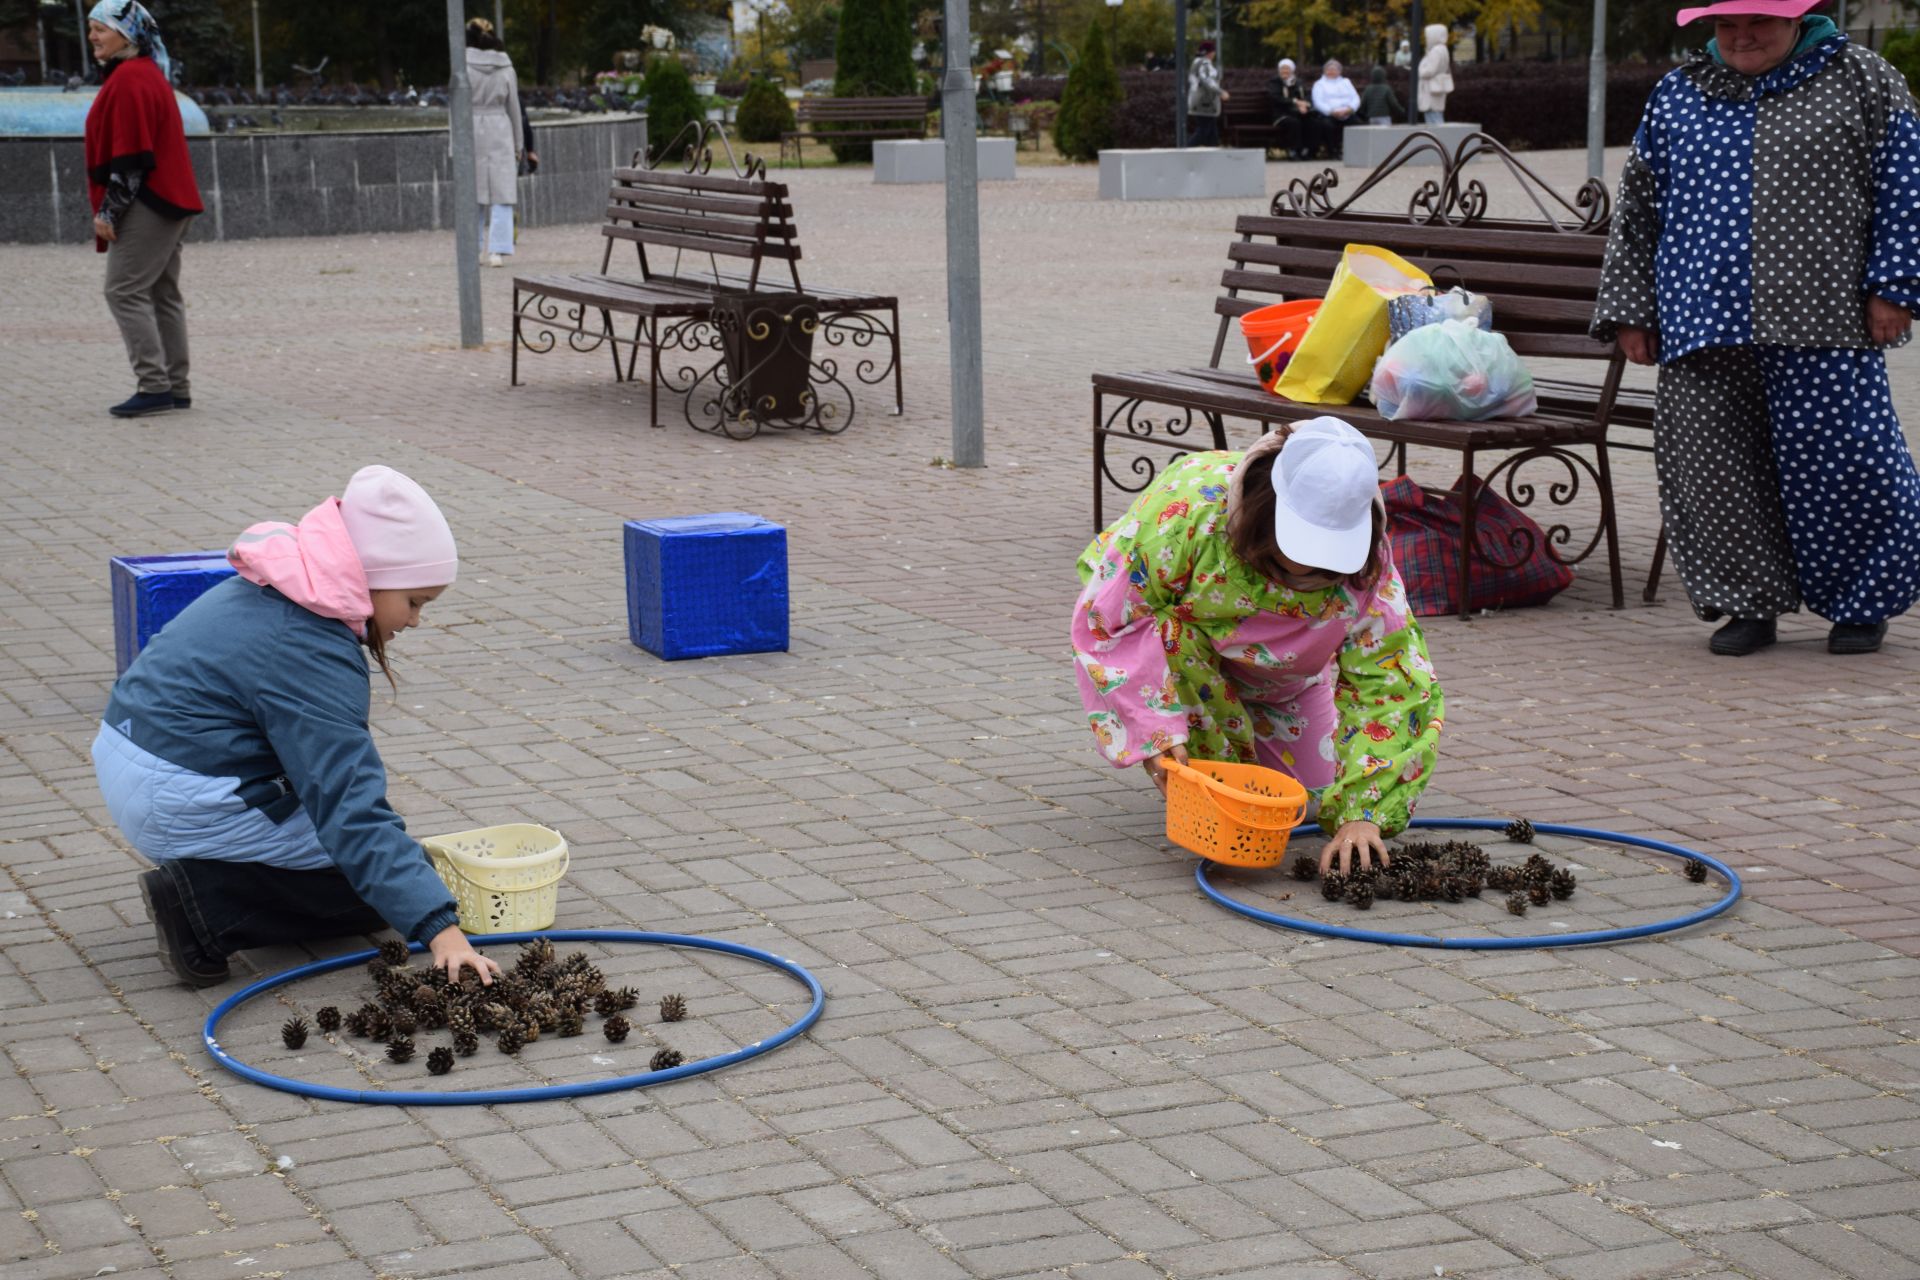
183	402
142	403
1743	636
1856	637
180	951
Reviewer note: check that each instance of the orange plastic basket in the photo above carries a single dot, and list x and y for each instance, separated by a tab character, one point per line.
1239	814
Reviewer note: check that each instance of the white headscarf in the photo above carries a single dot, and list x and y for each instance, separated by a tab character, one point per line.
131	19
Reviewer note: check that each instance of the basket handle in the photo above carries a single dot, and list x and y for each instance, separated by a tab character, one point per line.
566	859
1215	789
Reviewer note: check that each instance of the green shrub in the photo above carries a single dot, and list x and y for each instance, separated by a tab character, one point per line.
1084	126
672	104
764	113
1902	49
873	58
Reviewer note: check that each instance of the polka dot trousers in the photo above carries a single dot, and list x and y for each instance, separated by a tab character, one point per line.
1784	479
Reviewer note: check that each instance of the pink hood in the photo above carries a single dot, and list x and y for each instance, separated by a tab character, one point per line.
313	564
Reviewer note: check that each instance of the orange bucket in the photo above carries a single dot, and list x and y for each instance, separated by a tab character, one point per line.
1239	814
1273	333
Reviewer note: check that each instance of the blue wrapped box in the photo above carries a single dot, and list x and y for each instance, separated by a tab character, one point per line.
149	591
702	586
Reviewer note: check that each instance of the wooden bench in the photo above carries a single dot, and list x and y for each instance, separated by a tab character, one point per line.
1542	283
1246	120
854	120
682	224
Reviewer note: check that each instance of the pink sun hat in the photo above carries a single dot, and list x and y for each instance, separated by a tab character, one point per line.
1759	8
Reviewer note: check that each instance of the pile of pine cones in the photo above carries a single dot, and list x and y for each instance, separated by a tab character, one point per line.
543	993
1446	872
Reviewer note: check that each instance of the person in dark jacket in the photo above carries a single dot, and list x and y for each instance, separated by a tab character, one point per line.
1765	253
235	753
1379	104
1291	102
141	186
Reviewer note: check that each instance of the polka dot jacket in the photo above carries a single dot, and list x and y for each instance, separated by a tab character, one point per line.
1764	209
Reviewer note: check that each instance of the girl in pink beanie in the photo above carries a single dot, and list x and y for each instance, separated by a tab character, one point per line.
236	755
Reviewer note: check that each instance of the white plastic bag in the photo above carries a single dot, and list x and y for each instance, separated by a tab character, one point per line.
1453	369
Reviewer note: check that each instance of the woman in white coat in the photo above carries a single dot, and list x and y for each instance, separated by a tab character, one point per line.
496	137
1436	76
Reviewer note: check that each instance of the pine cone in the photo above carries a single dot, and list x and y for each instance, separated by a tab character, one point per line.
293	1032
395	952
465	1043
1360	896
1696	871
355	1023
460	1018
491	1016
327	1018
1520	831
666	1060
1539	894
673	1008
1452	890
510	1039
440	1061
615	1028
402	1021
1562	884
1306	867
400	1049
1333	886
1517	903
571	1023
377	970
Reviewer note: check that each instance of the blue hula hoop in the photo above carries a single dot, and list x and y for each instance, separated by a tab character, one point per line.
1485	942
533	1093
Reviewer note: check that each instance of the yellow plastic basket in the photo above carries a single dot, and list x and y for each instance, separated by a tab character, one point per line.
1239	814
503	879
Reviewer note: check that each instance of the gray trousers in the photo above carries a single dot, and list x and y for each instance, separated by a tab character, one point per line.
143	293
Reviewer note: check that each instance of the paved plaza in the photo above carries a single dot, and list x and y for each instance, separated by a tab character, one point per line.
1043	1053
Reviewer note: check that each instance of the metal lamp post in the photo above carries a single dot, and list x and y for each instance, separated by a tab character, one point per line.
1597	95
466	208
1113	38
259	77
965	360
1416	46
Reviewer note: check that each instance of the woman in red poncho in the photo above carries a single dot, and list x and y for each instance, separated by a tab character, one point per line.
140	179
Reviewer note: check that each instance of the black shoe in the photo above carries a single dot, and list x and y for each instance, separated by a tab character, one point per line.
183	402
142	403
1743	636
180	951
1856	637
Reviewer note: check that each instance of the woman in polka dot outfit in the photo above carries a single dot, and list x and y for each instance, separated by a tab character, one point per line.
1765	253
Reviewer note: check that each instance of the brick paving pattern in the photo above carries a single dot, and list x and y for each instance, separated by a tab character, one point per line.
1044	1053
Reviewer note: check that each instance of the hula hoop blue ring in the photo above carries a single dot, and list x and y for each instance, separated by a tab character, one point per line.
1485	942
532	1093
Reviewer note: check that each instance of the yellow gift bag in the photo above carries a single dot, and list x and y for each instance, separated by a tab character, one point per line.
1335	360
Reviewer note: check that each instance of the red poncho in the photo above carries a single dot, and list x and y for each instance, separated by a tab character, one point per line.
134	126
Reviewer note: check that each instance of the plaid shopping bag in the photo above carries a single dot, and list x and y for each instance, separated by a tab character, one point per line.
1513	568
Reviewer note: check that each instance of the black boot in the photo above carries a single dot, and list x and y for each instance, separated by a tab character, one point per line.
180	948
142	403
1743	636
1856	637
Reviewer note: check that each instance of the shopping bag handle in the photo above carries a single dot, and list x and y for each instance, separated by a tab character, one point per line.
1215	789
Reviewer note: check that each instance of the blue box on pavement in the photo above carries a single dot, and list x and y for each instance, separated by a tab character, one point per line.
148	591
702	586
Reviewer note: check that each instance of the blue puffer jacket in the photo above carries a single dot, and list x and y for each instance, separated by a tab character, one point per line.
240	734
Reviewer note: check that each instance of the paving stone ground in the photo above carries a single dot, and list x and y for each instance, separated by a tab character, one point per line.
1044	1052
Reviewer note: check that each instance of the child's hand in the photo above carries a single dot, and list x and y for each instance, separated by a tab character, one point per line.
1359	838
451	951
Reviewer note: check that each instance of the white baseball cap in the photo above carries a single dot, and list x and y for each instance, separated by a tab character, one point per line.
1325	483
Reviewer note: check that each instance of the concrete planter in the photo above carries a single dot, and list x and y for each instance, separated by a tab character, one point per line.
1366	145
1196	173
908	162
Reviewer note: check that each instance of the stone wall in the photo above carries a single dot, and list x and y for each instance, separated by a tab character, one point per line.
302	184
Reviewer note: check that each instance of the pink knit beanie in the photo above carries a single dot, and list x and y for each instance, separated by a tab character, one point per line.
402	538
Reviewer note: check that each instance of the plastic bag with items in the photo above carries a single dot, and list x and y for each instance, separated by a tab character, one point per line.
1432	306
1452	370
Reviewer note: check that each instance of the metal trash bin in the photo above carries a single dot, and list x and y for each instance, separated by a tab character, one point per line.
766	340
